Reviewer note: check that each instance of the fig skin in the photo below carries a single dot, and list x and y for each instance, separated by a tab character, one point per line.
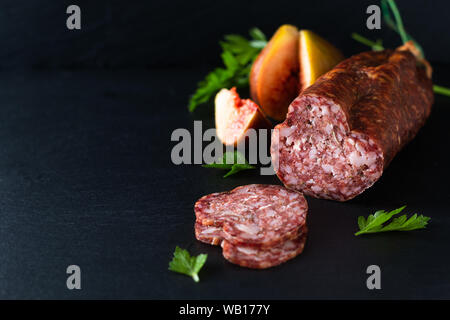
292	61
317	56
274	77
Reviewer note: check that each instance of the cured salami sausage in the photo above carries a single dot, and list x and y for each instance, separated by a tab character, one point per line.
343	131
257	225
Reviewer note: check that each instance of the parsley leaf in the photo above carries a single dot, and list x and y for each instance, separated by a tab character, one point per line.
237	56
374	222
233	161
182	262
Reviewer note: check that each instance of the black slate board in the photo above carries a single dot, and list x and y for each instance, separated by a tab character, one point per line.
86	179
118	33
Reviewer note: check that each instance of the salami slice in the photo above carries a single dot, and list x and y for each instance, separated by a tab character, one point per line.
254	214
343	131
254	218
259	258
208	234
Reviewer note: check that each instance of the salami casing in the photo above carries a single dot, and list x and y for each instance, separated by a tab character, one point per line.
258	226
343	131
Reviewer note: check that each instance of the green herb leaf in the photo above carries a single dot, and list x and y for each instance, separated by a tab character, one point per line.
233	161
376	46
238	167
441	90
403	224
182	262
388	6
237	56
374	223
257	34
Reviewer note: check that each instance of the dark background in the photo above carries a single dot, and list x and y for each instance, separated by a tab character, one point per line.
85	170
158	34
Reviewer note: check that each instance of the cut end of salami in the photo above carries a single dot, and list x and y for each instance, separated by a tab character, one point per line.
258	226
319	154
343	131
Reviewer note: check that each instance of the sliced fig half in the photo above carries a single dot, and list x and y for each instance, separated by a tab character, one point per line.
234	116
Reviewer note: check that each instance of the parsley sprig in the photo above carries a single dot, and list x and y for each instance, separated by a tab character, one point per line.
388	6
184	263
237	56
374	222
233	161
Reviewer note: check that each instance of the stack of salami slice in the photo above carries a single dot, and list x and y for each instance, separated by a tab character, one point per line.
258	226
